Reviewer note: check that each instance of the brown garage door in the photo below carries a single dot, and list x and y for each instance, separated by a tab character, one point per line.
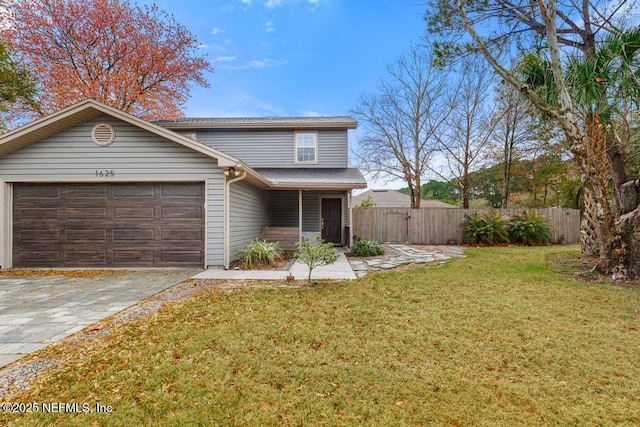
108	225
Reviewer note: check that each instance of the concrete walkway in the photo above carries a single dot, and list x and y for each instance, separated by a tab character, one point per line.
346	268
340	270
36	311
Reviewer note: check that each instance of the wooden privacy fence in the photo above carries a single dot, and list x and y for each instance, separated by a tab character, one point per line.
438	226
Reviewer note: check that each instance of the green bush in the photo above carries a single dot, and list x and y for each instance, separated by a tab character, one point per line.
315	254
260	252
486	228
529	229
366	248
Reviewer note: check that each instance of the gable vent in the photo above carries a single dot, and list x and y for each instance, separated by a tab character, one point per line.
103	134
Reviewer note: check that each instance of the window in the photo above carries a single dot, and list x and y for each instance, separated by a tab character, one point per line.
306	147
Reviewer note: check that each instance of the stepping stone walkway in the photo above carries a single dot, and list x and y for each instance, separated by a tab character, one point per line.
404	254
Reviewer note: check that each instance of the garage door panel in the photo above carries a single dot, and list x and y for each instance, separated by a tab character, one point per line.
89	191
134	213
182	191
180	257
37	192
87	225
84	257
129	191
39	235
133	257
39	258
194	234
94	235
185	212
130	234
44	214
85	213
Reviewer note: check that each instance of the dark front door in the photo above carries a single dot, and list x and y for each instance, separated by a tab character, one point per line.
332	220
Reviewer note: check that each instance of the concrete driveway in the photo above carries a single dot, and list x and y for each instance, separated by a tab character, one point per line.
36	311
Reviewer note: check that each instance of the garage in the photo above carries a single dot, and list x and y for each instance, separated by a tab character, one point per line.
108	224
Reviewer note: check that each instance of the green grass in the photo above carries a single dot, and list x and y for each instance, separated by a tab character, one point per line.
496	338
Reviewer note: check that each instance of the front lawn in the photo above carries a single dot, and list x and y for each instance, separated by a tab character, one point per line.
496	338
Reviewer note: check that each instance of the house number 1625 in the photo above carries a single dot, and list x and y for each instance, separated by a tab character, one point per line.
106	173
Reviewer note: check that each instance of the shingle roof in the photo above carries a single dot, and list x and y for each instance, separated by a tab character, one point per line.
343	178
340	122
395	199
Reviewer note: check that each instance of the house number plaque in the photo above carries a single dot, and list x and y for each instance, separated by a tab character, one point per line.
107	173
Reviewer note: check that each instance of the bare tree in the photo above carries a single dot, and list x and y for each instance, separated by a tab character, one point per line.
468	129
402	118
512	132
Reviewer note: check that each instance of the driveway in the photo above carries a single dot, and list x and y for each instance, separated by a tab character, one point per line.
36	311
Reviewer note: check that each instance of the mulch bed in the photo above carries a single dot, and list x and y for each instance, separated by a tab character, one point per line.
283	264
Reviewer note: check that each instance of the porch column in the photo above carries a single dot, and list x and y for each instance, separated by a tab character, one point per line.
349	202
300	215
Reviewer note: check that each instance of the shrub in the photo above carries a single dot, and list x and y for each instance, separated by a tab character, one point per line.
487	228
315	254
366	248
260	252
529	229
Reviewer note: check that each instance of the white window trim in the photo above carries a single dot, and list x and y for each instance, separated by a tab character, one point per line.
295	149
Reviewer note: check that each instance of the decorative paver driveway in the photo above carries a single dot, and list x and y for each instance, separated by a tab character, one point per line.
36	311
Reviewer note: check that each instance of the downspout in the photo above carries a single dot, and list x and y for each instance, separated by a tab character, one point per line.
227	198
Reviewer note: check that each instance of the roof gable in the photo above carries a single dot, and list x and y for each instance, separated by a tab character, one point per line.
88	110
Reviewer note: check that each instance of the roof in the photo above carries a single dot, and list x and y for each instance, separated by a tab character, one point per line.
395	199
328	178
89	109
338	122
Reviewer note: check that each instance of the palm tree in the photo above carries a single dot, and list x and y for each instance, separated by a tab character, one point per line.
601	82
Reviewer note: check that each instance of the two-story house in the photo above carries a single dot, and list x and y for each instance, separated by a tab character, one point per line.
91	186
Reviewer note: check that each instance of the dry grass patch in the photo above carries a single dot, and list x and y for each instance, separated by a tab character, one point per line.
496	338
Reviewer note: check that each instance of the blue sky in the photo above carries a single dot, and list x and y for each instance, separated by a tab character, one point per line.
294	57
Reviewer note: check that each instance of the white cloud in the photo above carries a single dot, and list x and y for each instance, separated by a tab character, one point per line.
217	30
225	58
311	114
271	4
269	27
256	63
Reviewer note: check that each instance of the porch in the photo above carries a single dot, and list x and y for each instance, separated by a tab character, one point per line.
295	214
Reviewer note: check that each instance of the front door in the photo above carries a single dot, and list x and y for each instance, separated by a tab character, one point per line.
332	220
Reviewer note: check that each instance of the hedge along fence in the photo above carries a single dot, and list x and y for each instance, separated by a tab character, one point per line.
439	226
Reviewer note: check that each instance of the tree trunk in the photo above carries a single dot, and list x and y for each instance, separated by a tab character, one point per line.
588	226
628	246
465	189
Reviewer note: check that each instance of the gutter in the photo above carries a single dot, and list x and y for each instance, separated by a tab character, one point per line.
227	198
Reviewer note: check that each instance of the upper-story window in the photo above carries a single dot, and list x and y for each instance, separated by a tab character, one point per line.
306	147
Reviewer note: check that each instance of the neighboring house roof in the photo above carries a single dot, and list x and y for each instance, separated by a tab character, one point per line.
338	178
395	199
340	122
